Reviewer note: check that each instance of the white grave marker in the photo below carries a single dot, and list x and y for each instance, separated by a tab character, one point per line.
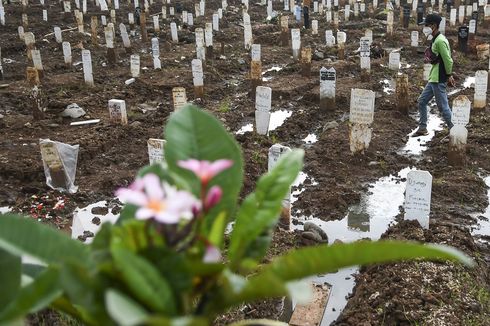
87	67
179	97
296	42
361	106
394	61
418	196
481	84
156	150
135	65
117	112
263	101
461	111
67	53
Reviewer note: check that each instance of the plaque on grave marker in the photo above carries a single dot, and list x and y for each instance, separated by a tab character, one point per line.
361	106
156	150
179	97
461	111
255	53
418	197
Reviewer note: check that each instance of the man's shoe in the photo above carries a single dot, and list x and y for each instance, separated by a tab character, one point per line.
420	132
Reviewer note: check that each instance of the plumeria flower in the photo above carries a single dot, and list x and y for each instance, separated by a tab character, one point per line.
161	201
205	170
212	254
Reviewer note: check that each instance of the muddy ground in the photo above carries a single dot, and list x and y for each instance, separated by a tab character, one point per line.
110	155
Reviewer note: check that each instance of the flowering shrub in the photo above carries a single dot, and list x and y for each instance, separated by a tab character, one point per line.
162	263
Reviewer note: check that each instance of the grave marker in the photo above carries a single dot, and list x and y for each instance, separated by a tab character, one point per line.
57	34
36	60
198	78
173	32
208	40
458	136
402	93
414	39
247	31
156	24
365	56
314	27
144	33
285	30
418	196
389	23
45	15
20	31
329	38
327	88
67	53
426	72
117	112
461	111
155	53
215	22
481	85
156	150
87	68
93	28
53	165
32	76
200	49
341	39
361	117
296	42
263	101
394	61
125	37
30	43
275	152
135	65
179	97
255	68
306	62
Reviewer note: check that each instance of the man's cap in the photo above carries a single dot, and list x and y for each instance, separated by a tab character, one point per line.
431	19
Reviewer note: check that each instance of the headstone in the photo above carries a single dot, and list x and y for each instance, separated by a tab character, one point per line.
426	72
263	102
361	116
93	30
67	53
275	152
215	22
125	37
247	31
402	93
365	56
57	34
306	62
452	17
45	15
135	65
463	35
200	45
36	59
284	30
179	97
117	112
414	39
173	32
418	196
394	61
461	111
481	84
458	136
328	79
341	39
389	23
208	40
87	67
329	38
57	176
156	150
296	42
198	78
156	24
314	27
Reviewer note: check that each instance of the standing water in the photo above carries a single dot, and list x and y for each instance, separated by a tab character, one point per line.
483	228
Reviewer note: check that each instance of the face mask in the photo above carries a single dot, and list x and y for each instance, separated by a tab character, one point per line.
427	31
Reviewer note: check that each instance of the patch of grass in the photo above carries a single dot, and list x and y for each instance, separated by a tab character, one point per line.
224	106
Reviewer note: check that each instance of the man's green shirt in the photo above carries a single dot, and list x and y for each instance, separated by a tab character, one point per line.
439	72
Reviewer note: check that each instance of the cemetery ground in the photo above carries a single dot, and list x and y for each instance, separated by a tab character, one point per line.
110	155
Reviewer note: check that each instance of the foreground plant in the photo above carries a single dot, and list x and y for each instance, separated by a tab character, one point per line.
162	263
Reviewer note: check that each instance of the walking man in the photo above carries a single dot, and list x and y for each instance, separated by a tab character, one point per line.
439	55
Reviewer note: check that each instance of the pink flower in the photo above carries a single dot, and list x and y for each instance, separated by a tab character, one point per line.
205	170
213	197
159	200
212	255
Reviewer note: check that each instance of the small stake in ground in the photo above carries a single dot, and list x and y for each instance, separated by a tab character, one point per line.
144	33
247	31
173	32
275	152
125	37
94	24
30	43
135	65
32	76
208	38
155	53
37	61
418	196
284	30
263	101
109	40
361	117
198	78
57	34
327	88
402	93
200	49
117	112
365	56
296	42
341	39
255	68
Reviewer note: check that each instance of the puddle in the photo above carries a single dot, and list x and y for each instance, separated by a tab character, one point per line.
310	139
368	219
388	86
468	82
454	91
416	145
483	228
278	118
300	180
247	128
5	209
83	220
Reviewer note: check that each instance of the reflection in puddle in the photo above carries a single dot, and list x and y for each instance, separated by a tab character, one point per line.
278	118
310	139
368	219
388	86
483	228
468	82
83	221
300	180
416	145
247	128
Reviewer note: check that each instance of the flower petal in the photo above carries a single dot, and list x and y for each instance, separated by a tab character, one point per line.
167	217
212	255
213	197
144	213
153	186
218	166
192	165
129	196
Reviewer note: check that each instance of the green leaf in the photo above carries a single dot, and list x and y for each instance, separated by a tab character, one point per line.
123	310
144	281
10	275
36	296
164	174
19	235
192	133
297	264
260	210
218	230
181	321
258	322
